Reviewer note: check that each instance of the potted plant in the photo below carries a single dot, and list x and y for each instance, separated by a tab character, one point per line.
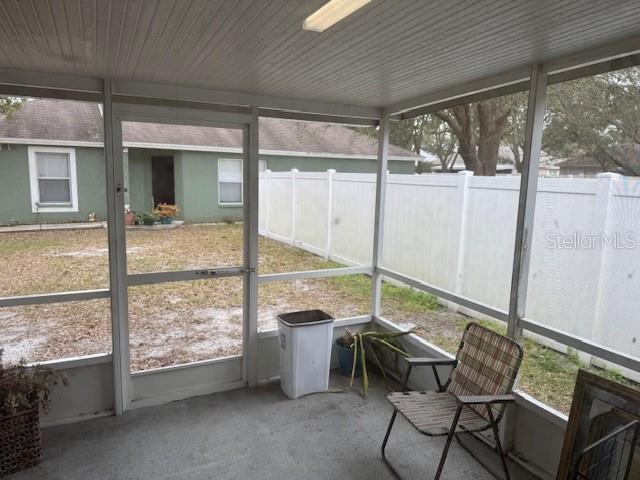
23	391
146	218
355	348
166	212
346	357
129	216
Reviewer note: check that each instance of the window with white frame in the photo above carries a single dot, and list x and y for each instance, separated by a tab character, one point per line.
230	181
52	172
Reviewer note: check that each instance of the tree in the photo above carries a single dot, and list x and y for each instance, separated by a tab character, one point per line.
420	134
480	128
473	131
598	116
514	133
10	105
440	141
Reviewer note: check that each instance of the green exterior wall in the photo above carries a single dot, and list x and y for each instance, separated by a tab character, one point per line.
322	164
195	176
140	187
196	184
15	189
199	188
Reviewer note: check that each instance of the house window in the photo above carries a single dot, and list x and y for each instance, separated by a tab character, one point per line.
230	181
52	173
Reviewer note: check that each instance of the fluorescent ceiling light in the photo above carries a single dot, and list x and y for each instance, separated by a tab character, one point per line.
331	13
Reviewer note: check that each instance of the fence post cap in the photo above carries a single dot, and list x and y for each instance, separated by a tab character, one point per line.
331	170
466	173
609	175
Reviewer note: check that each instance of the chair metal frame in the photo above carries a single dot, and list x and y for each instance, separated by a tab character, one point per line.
463	401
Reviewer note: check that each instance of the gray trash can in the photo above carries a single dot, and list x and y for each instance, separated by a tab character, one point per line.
305	351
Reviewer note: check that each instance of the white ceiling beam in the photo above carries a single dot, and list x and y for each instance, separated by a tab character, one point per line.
314	117
50	81
609	51
219	97
54	84
557	69
24	82
465	99
461	90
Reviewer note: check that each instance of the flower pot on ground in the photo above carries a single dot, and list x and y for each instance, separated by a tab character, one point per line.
166	212
23	391
345	359
130	217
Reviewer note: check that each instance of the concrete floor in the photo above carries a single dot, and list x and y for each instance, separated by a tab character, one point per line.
249	434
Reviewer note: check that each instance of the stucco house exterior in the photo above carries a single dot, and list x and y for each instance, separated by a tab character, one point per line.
53	167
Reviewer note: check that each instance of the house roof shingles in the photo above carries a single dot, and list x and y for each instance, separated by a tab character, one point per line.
54	120
74	121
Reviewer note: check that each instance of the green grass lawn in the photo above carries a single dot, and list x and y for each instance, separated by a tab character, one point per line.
546	374
188	321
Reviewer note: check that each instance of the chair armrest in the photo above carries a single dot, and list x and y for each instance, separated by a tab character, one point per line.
429	362
484	399
422	361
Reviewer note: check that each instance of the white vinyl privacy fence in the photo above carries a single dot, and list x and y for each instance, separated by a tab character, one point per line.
457	231
327	213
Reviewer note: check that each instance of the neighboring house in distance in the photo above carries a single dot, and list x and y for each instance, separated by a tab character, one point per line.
506	163
586	165
53	166
504	167
580	166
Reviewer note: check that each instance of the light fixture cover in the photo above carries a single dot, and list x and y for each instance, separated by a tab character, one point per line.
331	13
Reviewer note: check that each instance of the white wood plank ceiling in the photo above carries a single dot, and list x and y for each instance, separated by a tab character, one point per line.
387	52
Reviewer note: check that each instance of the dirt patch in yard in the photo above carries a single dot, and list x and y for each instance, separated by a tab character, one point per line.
54	331
170	323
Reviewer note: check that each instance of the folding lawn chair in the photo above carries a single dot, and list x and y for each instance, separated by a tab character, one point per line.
473	398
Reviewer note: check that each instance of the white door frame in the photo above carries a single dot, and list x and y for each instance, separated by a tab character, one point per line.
115	113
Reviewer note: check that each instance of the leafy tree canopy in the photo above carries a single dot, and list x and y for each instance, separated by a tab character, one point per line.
597	117
10	105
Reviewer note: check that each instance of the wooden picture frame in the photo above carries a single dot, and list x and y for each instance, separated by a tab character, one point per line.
594	397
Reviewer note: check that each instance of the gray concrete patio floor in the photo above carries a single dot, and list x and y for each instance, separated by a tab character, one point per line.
249	434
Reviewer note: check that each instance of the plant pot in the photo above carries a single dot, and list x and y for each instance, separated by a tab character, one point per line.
345	360
166	220
20	443
129	218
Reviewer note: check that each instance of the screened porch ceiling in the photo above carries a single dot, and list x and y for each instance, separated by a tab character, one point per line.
388	52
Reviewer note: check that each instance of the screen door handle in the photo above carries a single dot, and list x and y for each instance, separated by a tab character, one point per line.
224	272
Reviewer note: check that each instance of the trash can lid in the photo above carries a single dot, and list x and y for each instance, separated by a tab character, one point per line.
304	318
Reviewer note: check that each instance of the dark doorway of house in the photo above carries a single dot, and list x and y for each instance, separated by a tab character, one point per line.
162	178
